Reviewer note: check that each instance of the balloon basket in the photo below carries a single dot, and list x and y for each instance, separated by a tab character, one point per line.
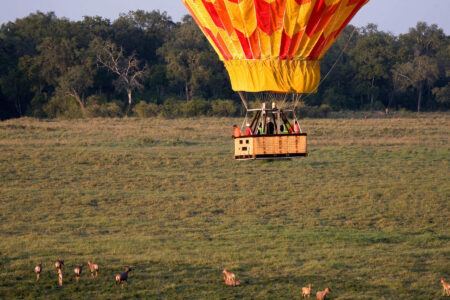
276	146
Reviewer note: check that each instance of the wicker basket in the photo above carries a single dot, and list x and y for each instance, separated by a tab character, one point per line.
270	146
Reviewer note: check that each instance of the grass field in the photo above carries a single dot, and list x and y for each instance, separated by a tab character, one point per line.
367	213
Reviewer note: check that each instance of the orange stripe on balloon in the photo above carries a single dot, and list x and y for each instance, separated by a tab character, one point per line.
206	31
225	48
245	44
224	16
254	43
193	14
320	45
295	44
277	9
270	15
262	9
320	17
314	19
350	17
209	6
284	47
219	44
289	46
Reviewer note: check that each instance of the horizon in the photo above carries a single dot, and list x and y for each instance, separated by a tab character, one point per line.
384	13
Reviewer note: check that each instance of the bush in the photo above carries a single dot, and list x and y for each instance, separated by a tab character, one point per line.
37	106
305	111
324	110
64	107
334	98
379	106
96	99
195	107
146	110
170	108
106	110
223	108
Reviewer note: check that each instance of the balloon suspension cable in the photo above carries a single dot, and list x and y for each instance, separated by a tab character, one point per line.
337	60
297	98
244	101
245	120
272	97
284	101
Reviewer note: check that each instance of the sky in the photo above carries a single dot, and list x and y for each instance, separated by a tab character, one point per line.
395	16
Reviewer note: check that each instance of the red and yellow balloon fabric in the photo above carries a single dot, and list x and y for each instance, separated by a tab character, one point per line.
273	45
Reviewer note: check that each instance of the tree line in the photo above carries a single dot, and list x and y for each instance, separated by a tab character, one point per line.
146	64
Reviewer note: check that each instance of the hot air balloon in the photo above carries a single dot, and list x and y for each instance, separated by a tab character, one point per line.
272	46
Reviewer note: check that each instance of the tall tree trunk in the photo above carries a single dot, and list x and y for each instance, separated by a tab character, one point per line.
191	92
371	95
391	99
129	96
162	92
129	101
188	94
81	102
419	100
17	99
18	106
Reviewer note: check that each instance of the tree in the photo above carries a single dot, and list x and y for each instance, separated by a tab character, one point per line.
75	82
421	71
419	68
442	95
128	70
15	88
189	57
61	67
373	56
142	32
423	39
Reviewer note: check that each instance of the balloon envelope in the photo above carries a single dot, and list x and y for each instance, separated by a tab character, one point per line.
273	45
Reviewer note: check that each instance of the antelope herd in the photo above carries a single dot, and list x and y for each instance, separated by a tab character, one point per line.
59	266
228	277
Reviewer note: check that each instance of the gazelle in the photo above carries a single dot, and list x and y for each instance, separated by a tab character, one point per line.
306	291
94	268
321	295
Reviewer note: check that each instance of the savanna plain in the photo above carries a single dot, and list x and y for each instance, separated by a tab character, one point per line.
366	214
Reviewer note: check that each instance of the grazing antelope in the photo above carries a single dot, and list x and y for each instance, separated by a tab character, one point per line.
59	264
78	271
120	278
321	295
38	270
60	277
445	288
306	291
230	278
94	268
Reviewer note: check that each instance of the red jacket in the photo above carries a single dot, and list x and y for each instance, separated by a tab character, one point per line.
248	131
236	132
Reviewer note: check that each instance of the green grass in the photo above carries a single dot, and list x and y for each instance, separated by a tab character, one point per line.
367	213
